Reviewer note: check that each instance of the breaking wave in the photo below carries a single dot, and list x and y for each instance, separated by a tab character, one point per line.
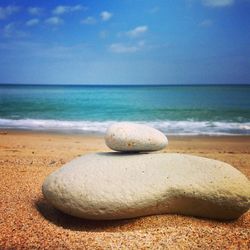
188	127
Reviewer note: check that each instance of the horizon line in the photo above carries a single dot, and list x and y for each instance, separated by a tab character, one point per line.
123	84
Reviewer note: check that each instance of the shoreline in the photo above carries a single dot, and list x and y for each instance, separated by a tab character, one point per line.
27	221
169	127
100	135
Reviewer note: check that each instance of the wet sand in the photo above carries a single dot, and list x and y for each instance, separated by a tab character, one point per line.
27	221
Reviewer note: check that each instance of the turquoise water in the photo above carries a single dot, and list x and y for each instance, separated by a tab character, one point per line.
172	109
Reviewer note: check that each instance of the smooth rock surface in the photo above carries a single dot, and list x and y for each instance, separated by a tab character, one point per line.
115	186
127	136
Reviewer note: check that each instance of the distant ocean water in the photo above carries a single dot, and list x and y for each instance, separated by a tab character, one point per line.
175	110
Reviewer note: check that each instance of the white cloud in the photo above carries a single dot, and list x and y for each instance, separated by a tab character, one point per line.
105	15
54	20
32	22
206	23
77	8
122	48
218	3
137	31
89	20
125	48
35	10
62	9
10	30
7	11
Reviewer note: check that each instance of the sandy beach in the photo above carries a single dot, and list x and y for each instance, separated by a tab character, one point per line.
27	221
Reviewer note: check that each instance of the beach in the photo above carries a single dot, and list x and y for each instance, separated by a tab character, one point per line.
28	221
125	125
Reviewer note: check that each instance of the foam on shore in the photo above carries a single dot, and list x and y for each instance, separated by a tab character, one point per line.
188	127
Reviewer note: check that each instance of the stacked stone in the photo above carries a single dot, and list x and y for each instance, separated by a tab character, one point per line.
133	182
131	137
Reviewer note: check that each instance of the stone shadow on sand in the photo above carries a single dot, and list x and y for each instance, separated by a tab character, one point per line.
66	221
77	224
129	153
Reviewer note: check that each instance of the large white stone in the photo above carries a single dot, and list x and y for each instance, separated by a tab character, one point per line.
115	186
127	136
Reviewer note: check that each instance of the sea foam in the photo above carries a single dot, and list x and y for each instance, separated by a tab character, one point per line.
188	127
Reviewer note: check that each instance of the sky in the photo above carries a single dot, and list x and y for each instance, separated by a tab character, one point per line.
125	41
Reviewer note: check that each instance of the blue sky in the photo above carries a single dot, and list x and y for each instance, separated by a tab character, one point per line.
125	41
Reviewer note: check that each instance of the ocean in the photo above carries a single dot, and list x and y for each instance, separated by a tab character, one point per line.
175	110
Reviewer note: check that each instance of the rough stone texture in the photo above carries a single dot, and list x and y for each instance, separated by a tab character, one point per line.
126	136
115	186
